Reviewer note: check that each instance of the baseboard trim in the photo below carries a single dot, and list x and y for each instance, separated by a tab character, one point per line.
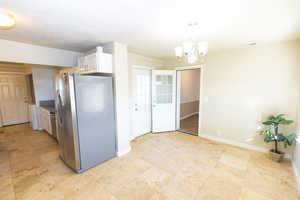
189	115
132	137
234	143
297	177
240	144
123	152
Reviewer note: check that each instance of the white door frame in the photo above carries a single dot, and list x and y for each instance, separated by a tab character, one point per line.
178	81
150	100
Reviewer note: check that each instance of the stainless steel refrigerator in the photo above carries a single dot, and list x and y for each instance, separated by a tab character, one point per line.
85	119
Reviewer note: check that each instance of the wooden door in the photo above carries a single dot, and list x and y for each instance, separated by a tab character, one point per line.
13	97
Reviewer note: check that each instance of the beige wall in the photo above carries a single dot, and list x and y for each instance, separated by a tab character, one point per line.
137	59
243	86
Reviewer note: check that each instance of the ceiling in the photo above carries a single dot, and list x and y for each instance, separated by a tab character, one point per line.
151	27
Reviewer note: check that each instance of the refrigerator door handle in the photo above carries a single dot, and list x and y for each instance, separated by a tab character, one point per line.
59	108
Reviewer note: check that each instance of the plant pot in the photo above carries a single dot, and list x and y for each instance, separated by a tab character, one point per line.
278	157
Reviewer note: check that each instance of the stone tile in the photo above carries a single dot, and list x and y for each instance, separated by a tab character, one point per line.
229	173
155	177
91	192
235	159
252	195
26	183
75	183
166	166
179	187
135	190
269	185
7	192
4	168
219	188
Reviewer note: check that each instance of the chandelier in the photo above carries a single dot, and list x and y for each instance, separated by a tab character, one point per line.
191	50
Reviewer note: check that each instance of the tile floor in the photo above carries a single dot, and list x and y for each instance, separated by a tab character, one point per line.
169	166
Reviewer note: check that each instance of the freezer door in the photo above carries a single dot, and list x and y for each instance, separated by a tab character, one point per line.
66	121
96	119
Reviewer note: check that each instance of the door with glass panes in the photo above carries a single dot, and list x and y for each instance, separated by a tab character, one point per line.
163	100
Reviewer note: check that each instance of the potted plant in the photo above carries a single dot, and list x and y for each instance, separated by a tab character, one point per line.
272	135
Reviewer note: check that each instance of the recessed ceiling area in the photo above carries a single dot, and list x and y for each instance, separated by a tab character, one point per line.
151	27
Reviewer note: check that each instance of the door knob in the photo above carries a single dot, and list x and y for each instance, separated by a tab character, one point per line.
135	107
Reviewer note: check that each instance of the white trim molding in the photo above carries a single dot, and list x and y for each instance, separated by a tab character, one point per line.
234	143
298	138
123	152
296	169
297	177
240	144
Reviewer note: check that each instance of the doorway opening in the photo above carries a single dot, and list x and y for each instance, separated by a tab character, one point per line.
14	94
188	100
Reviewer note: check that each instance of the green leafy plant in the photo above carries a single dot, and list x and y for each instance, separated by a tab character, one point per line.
271	132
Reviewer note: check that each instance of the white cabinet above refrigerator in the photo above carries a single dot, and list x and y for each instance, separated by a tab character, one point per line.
95	61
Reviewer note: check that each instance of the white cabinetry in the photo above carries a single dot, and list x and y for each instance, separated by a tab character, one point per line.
45	120
95	61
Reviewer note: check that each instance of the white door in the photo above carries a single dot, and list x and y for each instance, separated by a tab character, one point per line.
163	100
13	97
141	93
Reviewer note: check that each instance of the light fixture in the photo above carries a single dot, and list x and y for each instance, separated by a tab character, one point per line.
202	48
178	51
7	21
251	43
188	46
191	50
